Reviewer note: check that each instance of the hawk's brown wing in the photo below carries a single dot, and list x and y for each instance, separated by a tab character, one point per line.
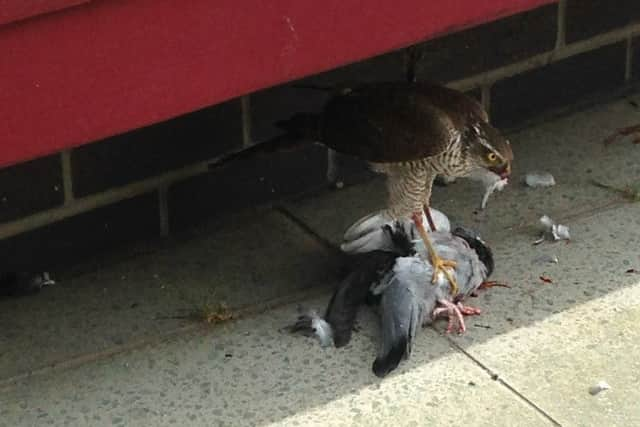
393	122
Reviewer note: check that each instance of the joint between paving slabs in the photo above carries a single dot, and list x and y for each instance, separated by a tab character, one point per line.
495	376
307	229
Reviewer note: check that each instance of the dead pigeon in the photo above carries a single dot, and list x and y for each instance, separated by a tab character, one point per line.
407	303
393	277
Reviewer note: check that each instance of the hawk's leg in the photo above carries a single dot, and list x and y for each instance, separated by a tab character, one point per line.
455	314
427	213
439	264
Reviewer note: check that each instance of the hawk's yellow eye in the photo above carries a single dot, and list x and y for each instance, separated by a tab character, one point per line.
492	157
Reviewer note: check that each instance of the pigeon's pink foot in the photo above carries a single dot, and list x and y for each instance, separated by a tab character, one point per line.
467	310
453	313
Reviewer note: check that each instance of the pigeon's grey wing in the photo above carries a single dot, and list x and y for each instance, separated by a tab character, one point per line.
403	308
352	292
367	234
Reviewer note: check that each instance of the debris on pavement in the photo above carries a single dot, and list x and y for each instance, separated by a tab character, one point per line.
621	133
539	240
492	284
601	386
539	179
214	314
477	325
630	192
208	313
557	231
632	270
545	279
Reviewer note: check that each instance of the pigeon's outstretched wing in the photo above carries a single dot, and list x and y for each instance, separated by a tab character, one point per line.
403	310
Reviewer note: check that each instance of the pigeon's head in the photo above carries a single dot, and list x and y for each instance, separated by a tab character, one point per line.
489	149
478	245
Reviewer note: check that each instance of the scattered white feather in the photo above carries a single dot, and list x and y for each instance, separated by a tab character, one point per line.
546	221
491	182
601	386
557	231
561	232
492	188
322	329
539	179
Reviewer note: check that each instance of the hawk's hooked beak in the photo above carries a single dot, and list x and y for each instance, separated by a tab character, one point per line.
503	170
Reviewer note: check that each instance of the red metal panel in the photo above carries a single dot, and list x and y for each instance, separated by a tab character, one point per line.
15	10
108	66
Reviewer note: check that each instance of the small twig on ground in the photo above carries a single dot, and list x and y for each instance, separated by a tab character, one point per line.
630	192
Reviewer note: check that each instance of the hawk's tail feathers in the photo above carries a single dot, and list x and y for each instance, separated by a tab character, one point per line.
300	129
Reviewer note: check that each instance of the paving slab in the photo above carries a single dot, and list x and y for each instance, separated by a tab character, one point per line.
553	341
251	260
251	373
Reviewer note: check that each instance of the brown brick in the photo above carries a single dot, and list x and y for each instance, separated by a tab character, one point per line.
30	187
68	242
158	148
557	84
587	18
488	46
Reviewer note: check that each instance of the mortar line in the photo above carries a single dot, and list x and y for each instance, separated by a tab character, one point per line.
545	58
308	229
332	166
163	210
67	176
245	106
562	24
628	64
494	376
485	95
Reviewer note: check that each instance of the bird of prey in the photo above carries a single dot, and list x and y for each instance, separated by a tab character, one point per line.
393	276
410	132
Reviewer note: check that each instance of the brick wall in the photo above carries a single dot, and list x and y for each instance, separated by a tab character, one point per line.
155	180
